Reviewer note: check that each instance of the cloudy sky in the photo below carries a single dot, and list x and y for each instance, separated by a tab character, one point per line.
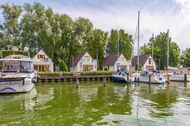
156	15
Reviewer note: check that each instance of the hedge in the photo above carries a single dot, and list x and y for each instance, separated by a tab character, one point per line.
55	73
70	74
96	73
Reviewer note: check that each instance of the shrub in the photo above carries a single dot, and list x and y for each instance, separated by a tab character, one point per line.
96	73
55	73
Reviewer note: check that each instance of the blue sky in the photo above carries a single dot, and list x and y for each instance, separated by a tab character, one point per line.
156	15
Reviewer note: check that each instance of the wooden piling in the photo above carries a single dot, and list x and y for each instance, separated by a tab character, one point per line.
185	80
149	79
104	81
128	78
77	82
168	78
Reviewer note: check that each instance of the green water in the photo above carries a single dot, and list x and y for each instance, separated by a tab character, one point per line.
93	104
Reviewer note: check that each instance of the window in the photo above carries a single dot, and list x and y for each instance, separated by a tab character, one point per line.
40	56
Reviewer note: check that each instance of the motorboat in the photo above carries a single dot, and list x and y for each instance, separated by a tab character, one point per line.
178	76
17	75
146	76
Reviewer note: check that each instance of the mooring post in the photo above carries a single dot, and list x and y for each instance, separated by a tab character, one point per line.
168	78
128	78
185	79
77	82
149	79
104	81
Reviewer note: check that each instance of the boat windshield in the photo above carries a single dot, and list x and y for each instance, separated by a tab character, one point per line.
17	66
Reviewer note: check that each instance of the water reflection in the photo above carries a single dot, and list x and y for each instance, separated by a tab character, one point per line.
94	104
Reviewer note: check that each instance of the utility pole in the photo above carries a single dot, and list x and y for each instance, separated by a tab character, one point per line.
138	29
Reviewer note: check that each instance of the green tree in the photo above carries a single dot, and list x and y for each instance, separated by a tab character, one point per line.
185	58
159	47
123	40
10	26
112	44
95	45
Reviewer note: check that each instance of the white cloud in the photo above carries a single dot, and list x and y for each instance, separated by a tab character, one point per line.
156	16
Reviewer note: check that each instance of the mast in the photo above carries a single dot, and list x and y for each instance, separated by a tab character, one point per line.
138	29
118	46
168	49
152	40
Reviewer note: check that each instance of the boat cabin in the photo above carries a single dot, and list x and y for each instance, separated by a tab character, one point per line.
17	63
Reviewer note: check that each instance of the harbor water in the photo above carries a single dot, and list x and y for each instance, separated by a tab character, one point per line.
92	103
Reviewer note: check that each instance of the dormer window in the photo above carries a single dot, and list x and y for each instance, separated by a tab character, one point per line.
40	56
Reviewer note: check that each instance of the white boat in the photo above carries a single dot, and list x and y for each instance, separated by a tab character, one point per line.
17	74
145	76
178	76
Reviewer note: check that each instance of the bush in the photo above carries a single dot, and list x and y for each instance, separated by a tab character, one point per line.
96	73
55	73
62	65
70	74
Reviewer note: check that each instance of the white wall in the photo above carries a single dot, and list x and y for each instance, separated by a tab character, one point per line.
147	63
122	61
85	60
37	61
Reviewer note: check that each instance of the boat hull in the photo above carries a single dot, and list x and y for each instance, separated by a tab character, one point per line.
179	78
154	80
15	85
122	79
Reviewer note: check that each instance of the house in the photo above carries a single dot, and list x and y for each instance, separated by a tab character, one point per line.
113	62
146	62
42	63
83	62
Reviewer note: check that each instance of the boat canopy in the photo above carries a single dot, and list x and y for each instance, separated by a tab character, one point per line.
16	58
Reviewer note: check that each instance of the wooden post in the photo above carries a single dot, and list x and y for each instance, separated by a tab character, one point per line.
77	82
149	79
185	79
168	78
128	78
104	81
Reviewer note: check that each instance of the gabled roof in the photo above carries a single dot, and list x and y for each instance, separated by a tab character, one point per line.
111	59
142	59
41	50
77	59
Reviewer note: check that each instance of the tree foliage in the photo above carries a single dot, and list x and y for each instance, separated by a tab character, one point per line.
61	37
185	58
159	47
120	42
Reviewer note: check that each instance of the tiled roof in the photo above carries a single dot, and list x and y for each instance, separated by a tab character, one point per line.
77	59
110	60
142	59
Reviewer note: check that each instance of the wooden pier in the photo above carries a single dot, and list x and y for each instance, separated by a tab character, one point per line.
75	78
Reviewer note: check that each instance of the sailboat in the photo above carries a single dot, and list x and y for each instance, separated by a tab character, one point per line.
125	76
146	76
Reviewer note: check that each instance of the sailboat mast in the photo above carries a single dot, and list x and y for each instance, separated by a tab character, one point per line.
118	46
138	29
168	49
152	40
